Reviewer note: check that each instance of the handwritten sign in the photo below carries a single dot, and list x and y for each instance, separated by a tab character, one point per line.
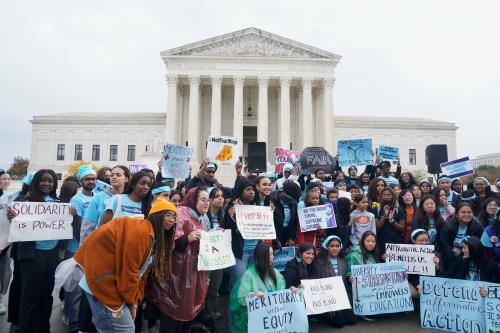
278	312
215	250
100	186
325	295
255	222
451	305
284	156
282	256
176	161
41	221
457	168
380	288
419	259
388	153
492	309
223	150
134	168
355	152
314	158
314	217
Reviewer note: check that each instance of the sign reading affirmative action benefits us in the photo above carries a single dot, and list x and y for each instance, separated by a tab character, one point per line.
255	222
419	259
215	250
41	221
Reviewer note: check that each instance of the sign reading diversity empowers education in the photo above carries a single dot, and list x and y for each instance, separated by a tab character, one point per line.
419	259
215	250
176	161
380	288
325	295
314	217
457	168
255	222
37	221
223	150
355	152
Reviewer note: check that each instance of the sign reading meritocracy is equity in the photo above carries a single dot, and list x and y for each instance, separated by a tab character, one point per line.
314	217
325	295
313	158
277	312
284	156
388	153
255	222
215	250
355	152
222	150
283	256
457	168
176	161
419	259
37	221
380	288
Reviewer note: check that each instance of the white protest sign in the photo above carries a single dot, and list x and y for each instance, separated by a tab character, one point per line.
215	250
345	194
325	295
419	259
223	150
314	217
37	221
457	168
255	222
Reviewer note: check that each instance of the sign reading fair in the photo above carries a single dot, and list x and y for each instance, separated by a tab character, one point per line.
451	305
355	152
380	288
316	217
313	158
457	168
325	295
176	161
277	312
282	256
284	156
255	222
223	150
419	259
37	221
388	153
215	250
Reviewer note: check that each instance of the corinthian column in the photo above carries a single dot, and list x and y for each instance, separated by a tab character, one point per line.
193	120
171	129
238	111
285	112
262	116
328	85
215	124
307	123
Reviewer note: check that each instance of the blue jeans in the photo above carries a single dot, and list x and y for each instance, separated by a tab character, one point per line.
72	301
104	320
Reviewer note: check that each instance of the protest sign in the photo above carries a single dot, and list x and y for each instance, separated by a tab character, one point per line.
223	150
255	222
278	312
176	160
492	308
451	305
4	223
313	158
325	295
380	288
134	168
419	259
36	221
345	194
100	186
388	153
329	185
282	256
355	152
457	168
314	217
284	156
215	250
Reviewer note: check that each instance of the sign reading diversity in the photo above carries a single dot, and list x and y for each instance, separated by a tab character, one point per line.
419	259
284	156
313	158
388	153
215	250
222	150
380	288
355	152
255	222
36	221
457	168
282	256
314	217
100	186
278	312
451	305
492	309
325	295
176	161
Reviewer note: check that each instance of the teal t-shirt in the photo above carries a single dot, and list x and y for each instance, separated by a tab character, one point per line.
47	245
81	202
129	207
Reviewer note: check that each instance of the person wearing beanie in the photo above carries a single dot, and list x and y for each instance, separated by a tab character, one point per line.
116	259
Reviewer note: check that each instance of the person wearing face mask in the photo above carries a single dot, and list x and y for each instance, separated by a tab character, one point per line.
388	228
405	214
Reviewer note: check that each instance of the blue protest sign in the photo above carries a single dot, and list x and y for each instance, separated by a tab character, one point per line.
457	168
355	152
492	308
380	288
388	153
451	305
176	161
279	311
282	256
100	186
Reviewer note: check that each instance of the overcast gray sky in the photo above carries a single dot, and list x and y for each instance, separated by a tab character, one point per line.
435	59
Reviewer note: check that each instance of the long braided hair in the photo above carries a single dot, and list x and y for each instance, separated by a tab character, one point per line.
163	247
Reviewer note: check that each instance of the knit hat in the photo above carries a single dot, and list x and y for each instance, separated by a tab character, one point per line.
85	170
444	178
160	205
486	181
291	190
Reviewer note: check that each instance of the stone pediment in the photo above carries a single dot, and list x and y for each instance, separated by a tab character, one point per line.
251	42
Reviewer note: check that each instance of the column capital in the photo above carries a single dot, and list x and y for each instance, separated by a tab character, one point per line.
263	81
238	81
285	81
216	80
172	80
329	82
306	82
194	80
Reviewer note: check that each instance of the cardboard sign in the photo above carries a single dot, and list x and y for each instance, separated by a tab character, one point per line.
325	295
492	308
284	156
36	221
215	250
255	222
313	158
355	152
134	168
283	256
457	168
419	259
388	153
100	186
380	288
314	217
176	161
451	305
223	150
280	311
